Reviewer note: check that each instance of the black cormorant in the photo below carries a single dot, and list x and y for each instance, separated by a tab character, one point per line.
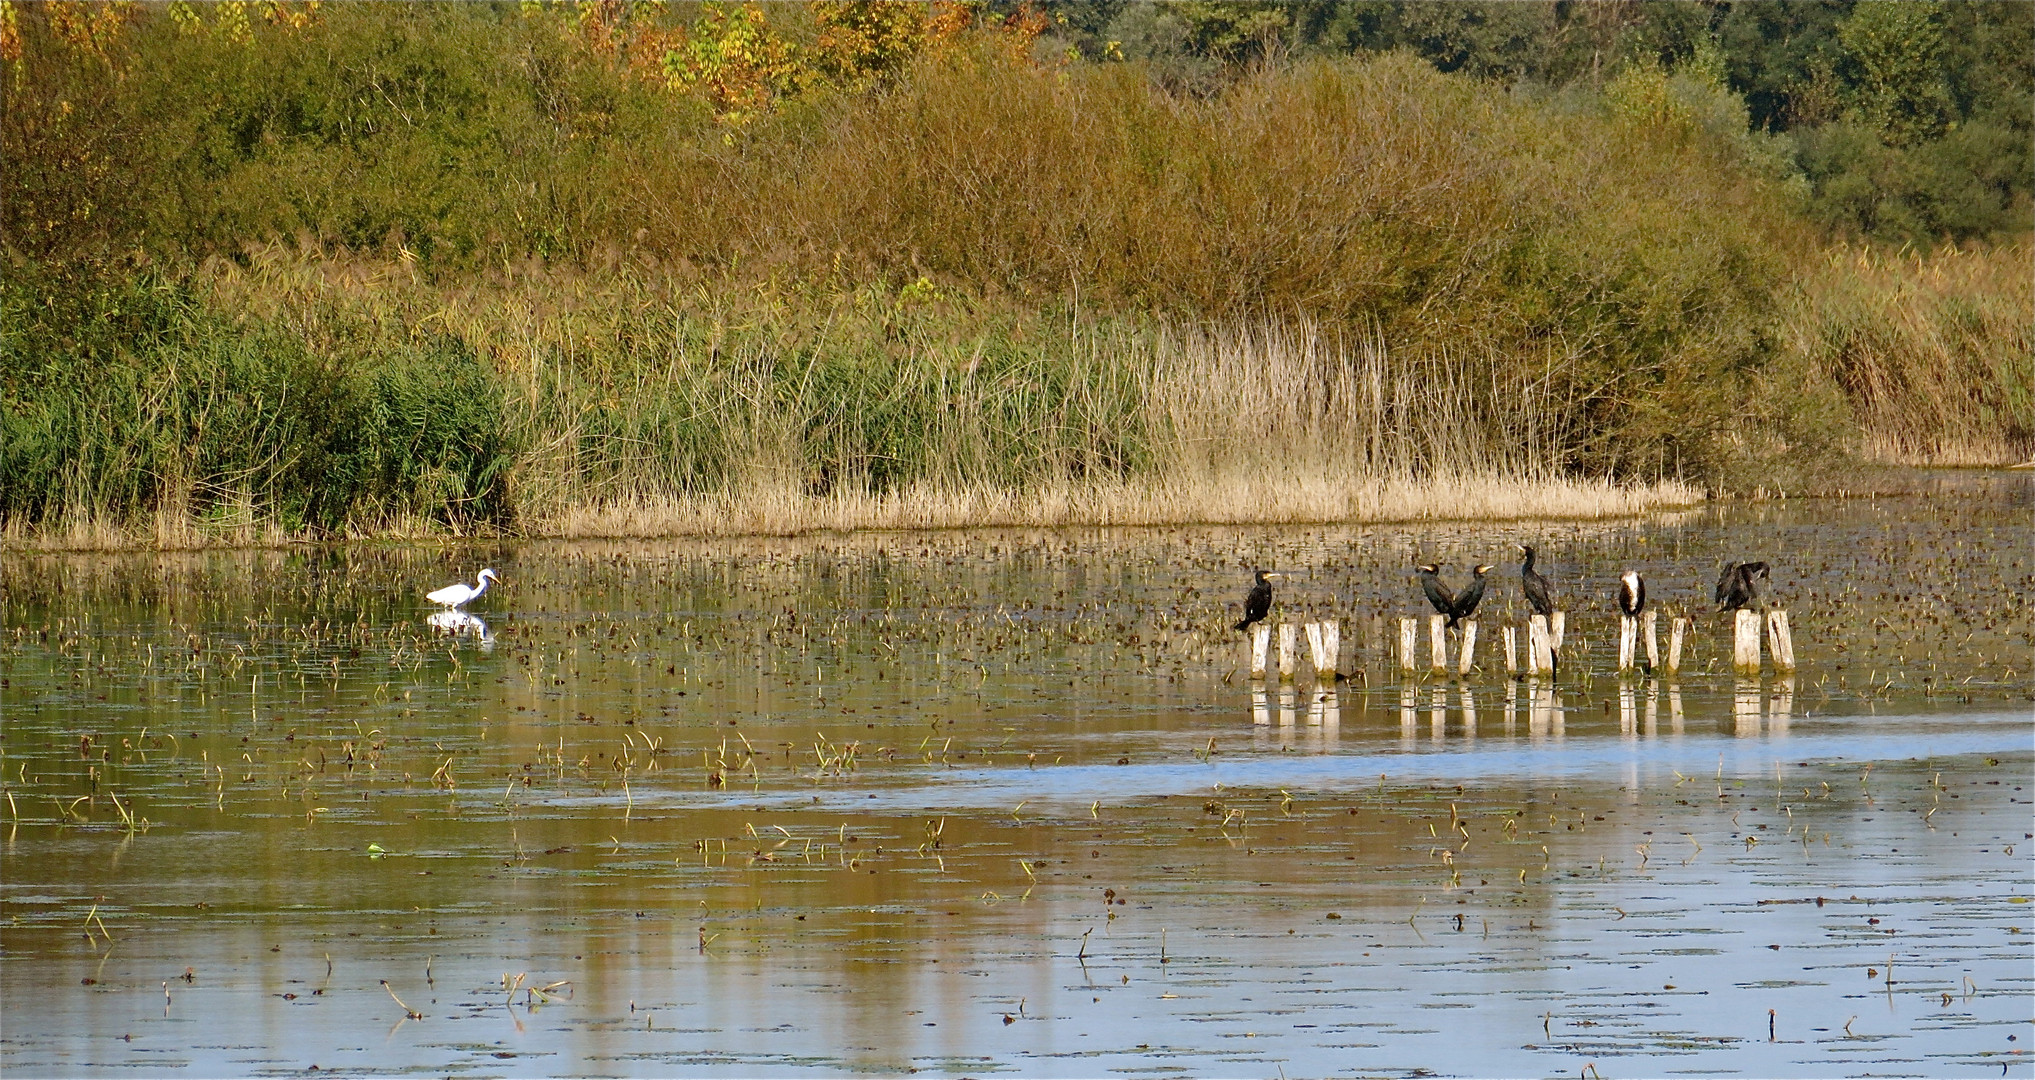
1737	586
1259	603
1534	585
1632	593
1438	594
1541	601
1472	595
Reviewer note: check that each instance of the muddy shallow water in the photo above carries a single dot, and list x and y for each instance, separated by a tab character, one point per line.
1005	803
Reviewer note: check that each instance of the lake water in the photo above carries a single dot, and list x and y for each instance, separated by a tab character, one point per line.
1007	803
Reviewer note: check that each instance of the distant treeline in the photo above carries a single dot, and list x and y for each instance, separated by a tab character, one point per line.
333	266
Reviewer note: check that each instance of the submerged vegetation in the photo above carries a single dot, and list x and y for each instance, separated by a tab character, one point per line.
629	268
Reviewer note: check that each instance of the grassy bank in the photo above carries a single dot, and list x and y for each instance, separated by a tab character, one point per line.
351	400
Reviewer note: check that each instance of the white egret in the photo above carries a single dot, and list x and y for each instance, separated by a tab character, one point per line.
459	592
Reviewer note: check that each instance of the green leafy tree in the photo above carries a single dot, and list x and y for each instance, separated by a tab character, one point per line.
1898	47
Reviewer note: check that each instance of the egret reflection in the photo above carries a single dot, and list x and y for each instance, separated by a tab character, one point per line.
455	623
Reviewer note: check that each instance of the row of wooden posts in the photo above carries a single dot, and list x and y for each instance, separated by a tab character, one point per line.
1543	644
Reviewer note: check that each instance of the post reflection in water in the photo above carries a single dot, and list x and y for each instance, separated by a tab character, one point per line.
1287	713
1261	706
1326	712
1469	715
1409	717
1745	705
1437	715
1543	712
1628	710
1782	706
1675	708
1653	708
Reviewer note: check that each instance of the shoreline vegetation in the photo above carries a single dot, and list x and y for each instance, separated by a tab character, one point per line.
579	270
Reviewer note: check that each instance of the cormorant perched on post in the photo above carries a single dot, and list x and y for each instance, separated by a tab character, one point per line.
1632	594
1541	601
1534	585
1259	603
1472	595
1737	586
1438	594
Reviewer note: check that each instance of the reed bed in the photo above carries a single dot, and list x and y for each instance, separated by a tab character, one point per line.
1936	352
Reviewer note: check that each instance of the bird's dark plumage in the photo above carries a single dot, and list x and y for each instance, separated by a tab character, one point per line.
1632	593
1259	603
1534	585
1540	599
1438	594
1739	585
1472	595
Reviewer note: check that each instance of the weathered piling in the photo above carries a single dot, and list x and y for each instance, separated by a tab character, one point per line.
1628	636
1261	642
1324	644
1677	630
1539	657
1511	651
1468	648
1647	628
1406	638
1780	641
1555	624
1745	642
1437	644
1288	651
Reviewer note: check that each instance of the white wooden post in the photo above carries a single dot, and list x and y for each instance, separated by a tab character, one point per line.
1555	624
1287	651
1647	628
1469	647
1780	642
1331	652
1745	642
1261	641
1406	634
1537	659
1437	644
1676	632
1628	635
1511	651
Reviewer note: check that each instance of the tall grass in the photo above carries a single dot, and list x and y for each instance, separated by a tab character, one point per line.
1936	352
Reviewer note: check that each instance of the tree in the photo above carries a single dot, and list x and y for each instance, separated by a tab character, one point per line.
1898	47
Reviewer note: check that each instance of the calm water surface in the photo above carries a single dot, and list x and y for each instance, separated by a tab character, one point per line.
1005	803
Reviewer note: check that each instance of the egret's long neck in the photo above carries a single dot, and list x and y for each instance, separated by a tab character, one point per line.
482	582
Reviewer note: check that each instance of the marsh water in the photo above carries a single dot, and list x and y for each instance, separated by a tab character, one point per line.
1008	803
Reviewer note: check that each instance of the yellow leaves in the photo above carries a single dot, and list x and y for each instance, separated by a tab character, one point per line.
734	60
89	28
741	64
10	32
